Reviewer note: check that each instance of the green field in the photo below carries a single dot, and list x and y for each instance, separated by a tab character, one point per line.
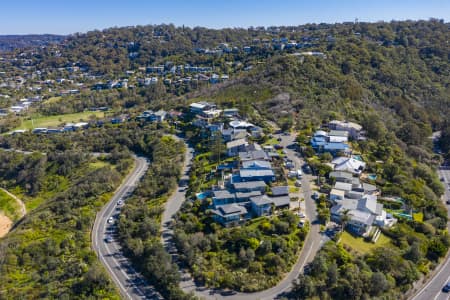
9	206
358	244
54	121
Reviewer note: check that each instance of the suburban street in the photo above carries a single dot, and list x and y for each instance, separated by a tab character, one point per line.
312	244
175	201
433	289
130	283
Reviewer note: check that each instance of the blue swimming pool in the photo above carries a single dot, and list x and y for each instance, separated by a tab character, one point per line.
372	176
202	195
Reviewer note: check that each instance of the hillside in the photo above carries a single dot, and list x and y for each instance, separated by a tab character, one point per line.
12	42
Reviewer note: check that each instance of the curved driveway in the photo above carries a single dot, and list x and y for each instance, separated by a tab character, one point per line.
433	289
131	284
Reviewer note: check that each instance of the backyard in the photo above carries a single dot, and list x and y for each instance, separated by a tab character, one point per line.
54	121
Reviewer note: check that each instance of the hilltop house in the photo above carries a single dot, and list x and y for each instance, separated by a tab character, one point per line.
353	129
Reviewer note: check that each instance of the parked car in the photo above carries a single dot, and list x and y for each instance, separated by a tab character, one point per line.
110	220
108	239
120	202
301	215
278	147
446	288
448	201
301	223
298	183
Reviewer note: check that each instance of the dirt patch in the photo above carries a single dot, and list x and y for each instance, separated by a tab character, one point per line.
5	224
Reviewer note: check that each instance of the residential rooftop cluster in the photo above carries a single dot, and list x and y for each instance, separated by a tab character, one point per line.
249	186
350	196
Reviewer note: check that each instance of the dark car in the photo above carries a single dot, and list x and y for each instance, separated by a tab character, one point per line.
446	288
277	146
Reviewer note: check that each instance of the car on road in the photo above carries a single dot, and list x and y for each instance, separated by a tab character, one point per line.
278	146
448	201
110	220
301	224
446	288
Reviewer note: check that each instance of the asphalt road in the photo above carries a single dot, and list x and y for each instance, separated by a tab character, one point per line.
433	289
312	244
173	204
131	284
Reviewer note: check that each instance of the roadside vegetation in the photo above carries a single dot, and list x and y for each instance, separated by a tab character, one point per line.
48	253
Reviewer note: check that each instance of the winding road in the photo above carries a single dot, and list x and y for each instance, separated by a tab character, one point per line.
131	284
312	244
433	289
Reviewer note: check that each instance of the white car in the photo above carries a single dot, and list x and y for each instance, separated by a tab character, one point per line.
110	220
120	202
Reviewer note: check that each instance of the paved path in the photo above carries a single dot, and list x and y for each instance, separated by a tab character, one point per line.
312	244
131	284
433	289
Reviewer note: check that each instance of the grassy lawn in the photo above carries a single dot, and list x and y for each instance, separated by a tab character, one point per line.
9	206
358	244
53	121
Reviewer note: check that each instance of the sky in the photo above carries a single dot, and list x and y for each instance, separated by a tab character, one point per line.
70	16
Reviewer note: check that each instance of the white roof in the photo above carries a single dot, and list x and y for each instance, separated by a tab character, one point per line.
337	192
236	143
343	186
236	124
348	164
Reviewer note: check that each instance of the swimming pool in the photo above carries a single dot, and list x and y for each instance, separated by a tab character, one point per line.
201	196
372	176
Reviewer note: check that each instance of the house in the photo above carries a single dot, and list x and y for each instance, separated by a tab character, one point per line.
348	164
280	191
256	132
343	186
256	175
158	116
341	176
353	129
336	148
200	107
338	136
363	213
256	164
261	205
253	155
234	147
281	202
222	197
230	112
337	195
245	196
230	214
249	186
